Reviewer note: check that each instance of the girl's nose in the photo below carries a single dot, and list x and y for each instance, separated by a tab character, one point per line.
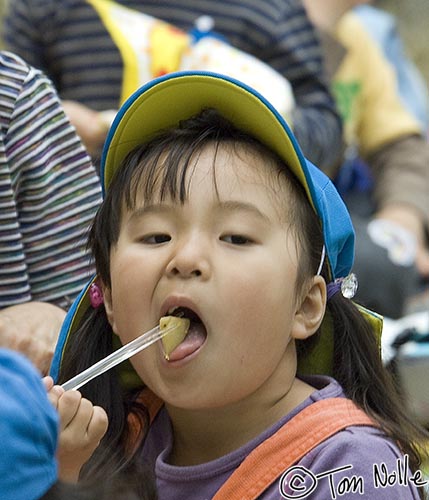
189	260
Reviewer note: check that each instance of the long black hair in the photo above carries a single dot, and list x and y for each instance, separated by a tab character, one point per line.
162	166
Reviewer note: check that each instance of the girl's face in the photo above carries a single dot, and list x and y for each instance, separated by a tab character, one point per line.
226	256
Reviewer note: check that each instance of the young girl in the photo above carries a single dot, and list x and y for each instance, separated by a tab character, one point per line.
211	212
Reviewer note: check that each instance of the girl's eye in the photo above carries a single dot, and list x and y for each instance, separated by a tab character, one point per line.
156	239
236	239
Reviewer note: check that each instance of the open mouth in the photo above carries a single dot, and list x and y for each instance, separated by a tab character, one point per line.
195	337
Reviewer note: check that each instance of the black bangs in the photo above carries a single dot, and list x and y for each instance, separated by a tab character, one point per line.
159	169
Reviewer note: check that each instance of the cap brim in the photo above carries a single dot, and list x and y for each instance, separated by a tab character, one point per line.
164	102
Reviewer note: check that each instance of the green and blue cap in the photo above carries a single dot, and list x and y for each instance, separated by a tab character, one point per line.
162	104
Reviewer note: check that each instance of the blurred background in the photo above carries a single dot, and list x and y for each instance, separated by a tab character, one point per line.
413	19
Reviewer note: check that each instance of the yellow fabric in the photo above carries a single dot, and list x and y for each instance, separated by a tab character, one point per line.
151	48
167	45
368	100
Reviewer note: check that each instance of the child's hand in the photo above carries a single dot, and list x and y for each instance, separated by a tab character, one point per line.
92	126
82	425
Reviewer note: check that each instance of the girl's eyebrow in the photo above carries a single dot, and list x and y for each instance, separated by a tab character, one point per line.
224	206
154	208
241	206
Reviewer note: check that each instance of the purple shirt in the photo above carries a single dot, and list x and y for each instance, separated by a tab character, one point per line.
372	466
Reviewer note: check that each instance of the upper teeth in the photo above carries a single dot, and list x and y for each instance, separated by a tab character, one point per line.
172	309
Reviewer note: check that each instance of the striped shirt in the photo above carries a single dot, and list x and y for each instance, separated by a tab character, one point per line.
69	42
49	192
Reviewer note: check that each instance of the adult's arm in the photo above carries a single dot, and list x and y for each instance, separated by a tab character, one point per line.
48	197
50	192
32	329
401	170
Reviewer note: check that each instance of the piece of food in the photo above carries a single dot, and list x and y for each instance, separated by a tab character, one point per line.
175	337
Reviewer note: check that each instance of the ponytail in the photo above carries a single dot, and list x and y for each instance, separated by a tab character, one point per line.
359	369
111	457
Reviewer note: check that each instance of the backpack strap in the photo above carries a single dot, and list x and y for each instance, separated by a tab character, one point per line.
289	444
136	427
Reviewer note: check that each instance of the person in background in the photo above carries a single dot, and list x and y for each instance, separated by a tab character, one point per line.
74	43
29	427
49	193
412	88
385	179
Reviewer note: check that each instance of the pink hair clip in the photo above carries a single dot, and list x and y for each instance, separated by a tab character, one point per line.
95	295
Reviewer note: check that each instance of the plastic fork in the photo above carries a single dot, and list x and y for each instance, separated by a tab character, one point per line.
125	352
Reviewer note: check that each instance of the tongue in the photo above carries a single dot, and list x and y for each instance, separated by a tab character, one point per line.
193	340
